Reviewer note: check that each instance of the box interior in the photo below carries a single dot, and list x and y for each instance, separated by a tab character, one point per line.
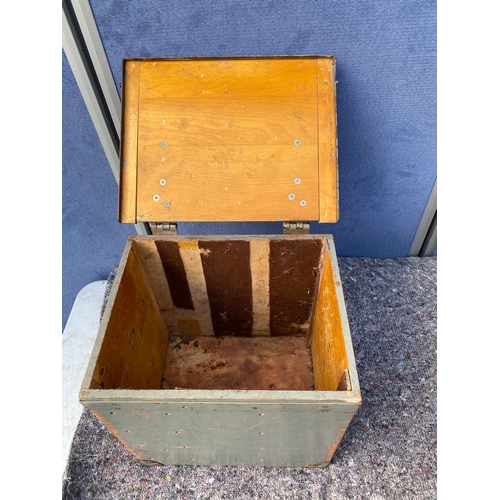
235	314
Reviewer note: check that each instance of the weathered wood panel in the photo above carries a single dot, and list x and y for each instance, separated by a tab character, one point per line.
327	339
226	266
175	273
293	277
132	352
261	363
254	433
259	265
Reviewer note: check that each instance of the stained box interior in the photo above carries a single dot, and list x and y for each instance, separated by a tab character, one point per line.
236	313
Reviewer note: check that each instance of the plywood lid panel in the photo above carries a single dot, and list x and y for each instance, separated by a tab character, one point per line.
228	140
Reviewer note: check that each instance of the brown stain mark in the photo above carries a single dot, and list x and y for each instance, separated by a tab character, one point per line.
245	363
226	266
173	266
115	433
293	279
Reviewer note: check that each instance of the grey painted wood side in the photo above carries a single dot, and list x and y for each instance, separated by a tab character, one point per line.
254	433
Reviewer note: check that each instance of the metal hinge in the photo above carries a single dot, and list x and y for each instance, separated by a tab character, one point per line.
295	227
163	227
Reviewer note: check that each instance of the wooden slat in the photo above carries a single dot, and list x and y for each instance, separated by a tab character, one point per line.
230	129
226	266
146	250
327	142
190	254
128	156
259	266
293	281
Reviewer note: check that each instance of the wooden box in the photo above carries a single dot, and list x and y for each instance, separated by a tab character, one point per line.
227	350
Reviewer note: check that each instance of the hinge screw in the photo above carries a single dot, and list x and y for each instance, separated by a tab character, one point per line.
296	180
291	196
297	142
156	197
303	203
163	182
166	204
163	144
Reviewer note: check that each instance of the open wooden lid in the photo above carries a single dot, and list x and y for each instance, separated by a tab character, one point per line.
229	139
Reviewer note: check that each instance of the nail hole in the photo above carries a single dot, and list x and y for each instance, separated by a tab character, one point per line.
102	372
111	412
127	430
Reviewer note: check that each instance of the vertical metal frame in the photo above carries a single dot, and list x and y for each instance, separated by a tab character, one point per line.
85	53
425	240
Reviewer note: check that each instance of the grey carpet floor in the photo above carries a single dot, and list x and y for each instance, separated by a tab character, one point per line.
388	451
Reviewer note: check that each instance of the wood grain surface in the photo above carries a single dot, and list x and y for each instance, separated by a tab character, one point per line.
235	140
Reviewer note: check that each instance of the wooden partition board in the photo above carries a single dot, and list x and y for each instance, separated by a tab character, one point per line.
230	139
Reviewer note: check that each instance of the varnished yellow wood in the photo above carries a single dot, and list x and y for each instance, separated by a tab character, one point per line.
127	206
229	129
131	355
327	341
327	141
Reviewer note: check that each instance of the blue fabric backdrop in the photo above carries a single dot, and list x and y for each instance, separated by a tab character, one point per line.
386	72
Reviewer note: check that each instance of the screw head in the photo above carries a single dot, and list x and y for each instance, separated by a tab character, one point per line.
166	204
156	197
163	144
297	142
163	182
303	203
291	196
296	180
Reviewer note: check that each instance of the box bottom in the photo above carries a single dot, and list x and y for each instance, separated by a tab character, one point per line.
244	363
